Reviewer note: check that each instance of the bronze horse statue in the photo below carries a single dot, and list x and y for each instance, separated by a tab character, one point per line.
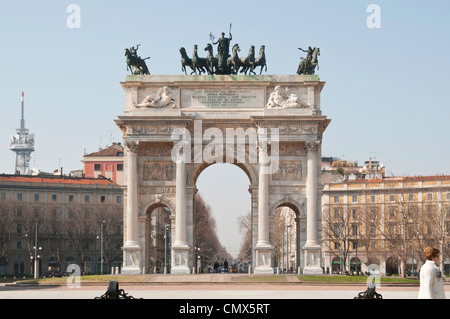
198	63
261	59
185	61
308	64
234	62
135	64
212	62
248	63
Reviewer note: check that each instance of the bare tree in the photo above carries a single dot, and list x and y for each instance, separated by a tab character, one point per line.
53	232
435	229
336	229
206	240
112	218
245	228
79	229
6	225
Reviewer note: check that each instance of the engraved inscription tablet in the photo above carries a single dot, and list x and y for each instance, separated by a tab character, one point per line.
223	98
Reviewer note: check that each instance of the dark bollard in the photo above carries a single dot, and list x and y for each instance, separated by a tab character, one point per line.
370	293
114	292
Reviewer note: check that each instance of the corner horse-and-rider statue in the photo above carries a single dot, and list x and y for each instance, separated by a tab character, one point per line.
308	64
135	63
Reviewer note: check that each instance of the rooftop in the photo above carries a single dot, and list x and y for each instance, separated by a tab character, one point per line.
55	180
116	149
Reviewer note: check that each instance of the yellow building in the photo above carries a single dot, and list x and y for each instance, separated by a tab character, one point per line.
384	224
69	215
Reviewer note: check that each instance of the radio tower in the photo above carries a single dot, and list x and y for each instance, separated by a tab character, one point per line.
22	143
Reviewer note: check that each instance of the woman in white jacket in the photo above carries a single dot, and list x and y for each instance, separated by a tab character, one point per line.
431	282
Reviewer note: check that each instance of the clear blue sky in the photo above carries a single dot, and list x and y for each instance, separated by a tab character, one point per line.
386	89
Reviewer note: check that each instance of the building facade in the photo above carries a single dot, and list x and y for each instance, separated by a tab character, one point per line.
69	217
107	162
385	223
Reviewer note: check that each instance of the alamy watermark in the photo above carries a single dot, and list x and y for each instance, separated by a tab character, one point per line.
374	19
73	21
260	142
74	280
374	279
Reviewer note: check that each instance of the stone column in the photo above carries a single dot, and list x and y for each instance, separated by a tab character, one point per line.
312	247
180	248
132	248
263	247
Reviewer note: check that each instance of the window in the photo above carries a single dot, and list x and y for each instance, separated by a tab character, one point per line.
54	197
118	199
70	198
336	213
354	199
20	196
448	196
36	197
411	197
19	245
2	196
102	198
19	228
391	212
429	196
354	213
86	198
120	167
373	198
355	244
355	230
97	167
391	197
336	199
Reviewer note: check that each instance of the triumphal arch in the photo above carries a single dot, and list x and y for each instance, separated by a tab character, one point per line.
174	126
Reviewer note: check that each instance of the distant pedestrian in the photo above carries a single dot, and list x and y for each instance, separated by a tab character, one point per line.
431	282
216	267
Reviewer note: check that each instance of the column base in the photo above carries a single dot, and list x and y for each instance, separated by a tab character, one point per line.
312	260
132	259
180	258
263	259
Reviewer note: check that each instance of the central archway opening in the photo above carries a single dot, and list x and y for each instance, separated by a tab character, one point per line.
223	189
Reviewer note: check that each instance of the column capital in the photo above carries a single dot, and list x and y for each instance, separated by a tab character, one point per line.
132	147
312	146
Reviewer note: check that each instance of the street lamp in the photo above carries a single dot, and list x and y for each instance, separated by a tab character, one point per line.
101	246
287	248
166	228
36	256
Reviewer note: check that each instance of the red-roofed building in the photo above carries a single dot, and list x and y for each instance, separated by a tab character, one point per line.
68	212
107	162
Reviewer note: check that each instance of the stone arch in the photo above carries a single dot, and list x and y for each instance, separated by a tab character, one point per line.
297	207
156	246
158	201
196	169
295	251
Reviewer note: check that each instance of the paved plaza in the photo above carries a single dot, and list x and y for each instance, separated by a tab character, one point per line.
206	286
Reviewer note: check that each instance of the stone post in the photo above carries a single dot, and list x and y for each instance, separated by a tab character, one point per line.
312	247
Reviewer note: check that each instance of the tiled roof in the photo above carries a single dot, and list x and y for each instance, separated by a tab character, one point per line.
54	180
112	150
